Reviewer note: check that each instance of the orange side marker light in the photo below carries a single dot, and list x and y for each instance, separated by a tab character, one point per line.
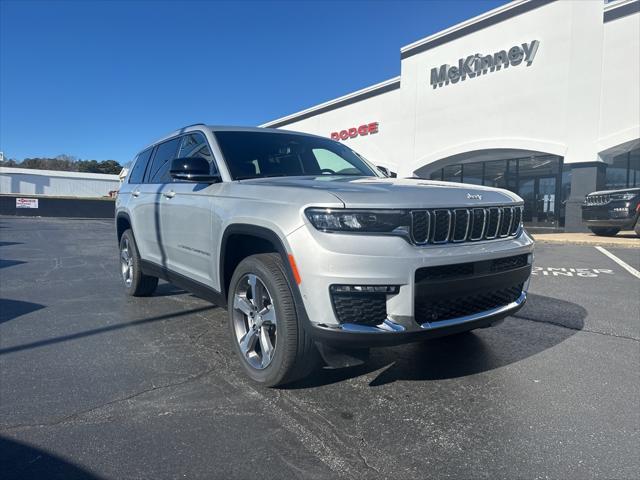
294	269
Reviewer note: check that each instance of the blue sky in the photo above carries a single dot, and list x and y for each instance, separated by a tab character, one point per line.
100	79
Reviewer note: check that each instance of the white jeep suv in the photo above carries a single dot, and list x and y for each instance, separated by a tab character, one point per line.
314	251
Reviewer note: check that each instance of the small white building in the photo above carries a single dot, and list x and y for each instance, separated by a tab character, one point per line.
541	97
53	183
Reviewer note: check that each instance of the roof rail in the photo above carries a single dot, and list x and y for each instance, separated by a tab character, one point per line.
192	125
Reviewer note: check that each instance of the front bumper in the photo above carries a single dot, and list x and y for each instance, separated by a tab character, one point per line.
391	333
613	214
326	259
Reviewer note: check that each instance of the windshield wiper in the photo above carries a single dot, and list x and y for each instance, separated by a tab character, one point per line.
254	177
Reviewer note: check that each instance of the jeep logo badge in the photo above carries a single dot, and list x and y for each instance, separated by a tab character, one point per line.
474	196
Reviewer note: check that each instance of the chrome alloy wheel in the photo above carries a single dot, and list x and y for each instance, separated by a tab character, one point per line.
126	262
254	321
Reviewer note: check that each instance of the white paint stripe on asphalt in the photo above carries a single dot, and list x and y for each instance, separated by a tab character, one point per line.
624	265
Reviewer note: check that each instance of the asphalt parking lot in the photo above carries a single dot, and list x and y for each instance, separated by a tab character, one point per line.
94	384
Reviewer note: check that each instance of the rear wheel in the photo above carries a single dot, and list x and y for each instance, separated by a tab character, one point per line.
605	231
265	330
637	227
136	283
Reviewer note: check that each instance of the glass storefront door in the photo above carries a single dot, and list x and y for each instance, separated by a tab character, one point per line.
539	195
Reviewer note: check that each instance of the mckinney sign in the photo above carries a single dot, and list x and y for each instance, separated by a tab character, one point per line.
478	64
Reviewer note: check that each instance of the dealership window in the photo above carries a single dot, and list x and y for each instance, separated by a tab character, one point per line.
473	173
617	172
495	173
512	174
634	168
452	173
437	175
565	192
623	171
544	165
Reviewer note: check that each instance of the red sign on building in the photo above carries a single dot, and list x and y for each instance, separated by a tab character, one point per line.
353	132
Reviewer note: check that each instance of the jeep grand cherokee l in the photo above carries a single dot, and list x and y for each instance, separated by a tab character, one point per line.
315	253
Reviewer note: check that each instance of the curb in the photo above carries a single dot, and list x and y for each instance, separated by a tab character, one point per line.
601	243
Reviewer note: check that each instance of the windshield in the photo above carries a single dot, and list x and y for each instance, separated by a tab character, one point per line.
268	154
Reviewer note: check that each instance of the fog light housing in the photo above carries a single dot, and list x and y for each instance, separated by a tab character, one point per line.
387	289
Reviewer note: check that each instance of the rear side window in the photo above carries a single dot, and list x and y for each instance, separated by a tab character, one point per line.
165	152
140	165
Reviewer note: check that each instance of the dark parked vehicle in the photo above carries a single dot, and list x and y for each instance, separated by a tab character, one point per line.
608	212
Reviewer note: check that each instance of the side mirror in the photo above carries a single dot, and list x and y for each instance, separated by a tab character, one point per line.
387	172
193	169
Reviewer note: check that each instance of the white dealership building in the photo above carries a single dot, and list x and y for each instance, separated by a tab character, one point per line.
541	97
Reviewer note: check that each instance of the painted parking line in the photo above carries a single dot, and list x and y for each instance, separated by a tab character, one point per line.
570	272
624	265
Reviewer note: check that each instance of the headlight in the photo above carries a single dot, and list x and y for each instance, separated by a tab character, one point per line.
365	221
623	196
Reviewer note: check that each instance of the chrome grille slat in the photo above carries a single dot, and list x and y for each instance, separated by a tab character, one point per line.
517	218
476	212
598	199
420	226
441	226
463	215
507	218
493	223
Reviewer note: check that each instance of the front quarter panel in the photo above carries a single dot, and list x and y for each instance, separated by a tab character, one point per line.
276	209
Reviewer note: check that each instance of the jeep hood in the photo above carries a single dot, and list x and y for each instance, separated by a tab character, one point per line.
371	192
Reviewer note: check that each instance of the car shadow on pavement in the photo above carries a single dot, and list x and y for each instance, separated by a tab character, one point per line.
100	330
165	289
469	353
22	461
10	263
10	309
8	244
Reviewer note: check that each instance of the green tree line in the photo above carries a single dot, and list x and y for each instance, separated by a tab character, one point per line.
66	163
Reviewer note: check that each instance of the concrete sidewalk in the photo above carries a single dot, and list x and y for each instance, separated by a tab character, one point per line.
627	239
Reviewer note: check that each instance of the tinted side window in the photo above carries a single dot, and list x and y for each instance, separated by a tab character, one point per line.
195	145
140	165
165	152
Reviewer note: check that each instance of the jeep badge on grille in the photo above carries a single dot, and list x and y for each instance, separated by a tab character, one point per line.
474	196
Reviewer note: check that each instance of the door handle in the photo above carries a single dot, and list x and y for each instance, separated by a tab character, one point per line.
170	194
136	193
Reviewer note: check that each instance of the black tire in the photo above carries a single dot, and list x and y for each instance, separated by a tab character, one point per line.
140	285
294	354
605	231
637	227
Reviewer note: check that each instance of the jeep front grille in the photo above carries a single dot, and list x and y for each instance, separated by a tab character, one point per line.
456	225
600	199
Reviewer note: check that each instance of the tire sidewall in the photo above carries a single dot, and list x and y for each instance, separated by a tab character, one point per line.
133	252
286	333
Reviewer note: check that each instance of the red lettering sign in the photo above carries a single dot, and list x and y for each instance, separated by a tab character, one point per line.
353	132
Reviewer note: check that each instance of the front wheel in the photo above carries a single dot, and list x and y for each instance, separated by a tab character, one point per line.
265	330
136	283
605	231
